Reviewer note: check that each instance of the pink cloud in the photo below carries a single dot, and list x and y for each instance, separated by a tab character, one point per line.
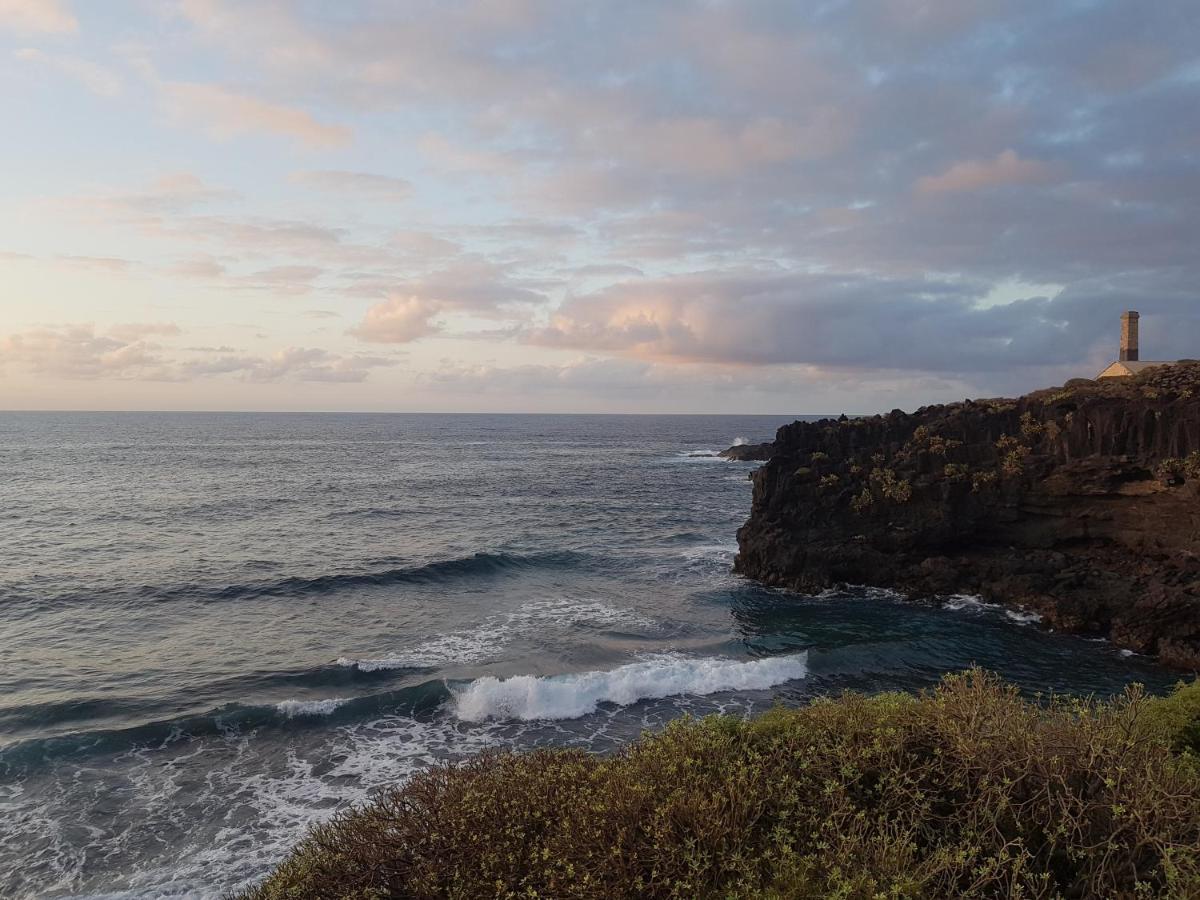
398	320
79	351
971	175
49	16
226	114
124	352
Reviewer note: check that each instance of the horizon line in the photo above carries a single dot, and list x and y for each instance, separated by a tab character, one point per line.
364	412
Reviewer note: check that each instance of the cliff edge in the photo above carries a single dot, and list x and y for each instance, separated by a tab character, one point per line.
1081	503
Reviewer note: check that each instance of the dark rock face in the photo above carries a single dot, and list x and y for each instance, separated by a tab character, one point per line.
749	452
1081	503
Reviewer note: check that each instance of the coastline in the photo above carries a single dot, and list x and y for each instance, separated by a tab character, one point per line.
1078	503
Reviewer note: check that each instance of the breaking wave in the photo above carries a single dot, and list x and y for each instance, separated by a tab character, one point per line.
293	708
530	697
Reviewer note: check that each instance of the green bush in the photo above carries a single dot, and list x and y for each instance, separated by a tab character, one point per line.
1191	465
967	791
1176	720
898	490
1013	464
1031	428
955	471
940	446
1008	444
860	503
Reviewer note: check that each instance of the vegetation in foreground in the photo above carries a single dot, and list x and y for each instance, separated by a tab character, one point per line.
966	791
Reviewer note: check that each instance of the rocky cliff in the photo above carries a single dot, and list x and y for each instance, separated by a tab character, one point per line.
1081	503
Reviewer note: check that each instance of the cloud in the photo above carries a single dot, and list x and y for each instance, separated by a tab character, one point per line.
260	31
713	147
78	351
859	322
309	364
48	16
421	245
972	175
747	189
282	280
224	113
379	187
399	320
290	279
125	352
469	284
205	268
584	375
98	79
98	263
450	156
605	385
171	194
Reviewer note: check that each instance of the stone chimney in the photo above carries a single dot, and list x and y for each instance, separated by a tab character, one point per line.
1129	336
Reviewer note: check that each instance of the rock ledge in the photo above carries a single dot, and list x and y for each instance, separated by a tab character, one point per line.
1081	503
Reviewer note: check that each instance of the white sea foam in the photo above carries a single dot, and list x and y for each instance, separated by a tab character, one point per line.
969	602
721	553
529	697
859	592
1023	616
740	441
485	641
973	603
293	708
377	665
700	455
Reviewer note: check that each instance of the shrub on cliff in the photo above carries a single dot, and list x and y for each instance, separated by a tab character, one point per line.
967	791
1175	720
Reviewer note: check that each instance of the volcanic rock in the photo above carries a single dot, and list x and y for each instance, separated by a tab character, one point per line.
1081	503
748	452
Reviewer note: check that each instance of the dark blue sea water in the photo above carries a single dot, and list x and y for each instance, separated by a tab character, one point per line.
216	630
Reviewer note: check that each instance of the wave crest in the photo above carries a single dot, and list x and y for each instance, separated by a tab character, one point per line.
293	708
530	697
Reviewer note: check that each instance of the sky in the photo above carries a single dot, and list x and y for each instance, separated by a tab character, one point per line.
759	206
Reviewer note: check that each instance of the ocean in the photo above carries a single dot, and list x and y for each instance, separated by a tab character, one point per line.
219	629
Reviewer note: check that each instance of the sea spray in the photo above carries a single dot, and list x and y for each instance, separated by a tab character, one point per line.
530	697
